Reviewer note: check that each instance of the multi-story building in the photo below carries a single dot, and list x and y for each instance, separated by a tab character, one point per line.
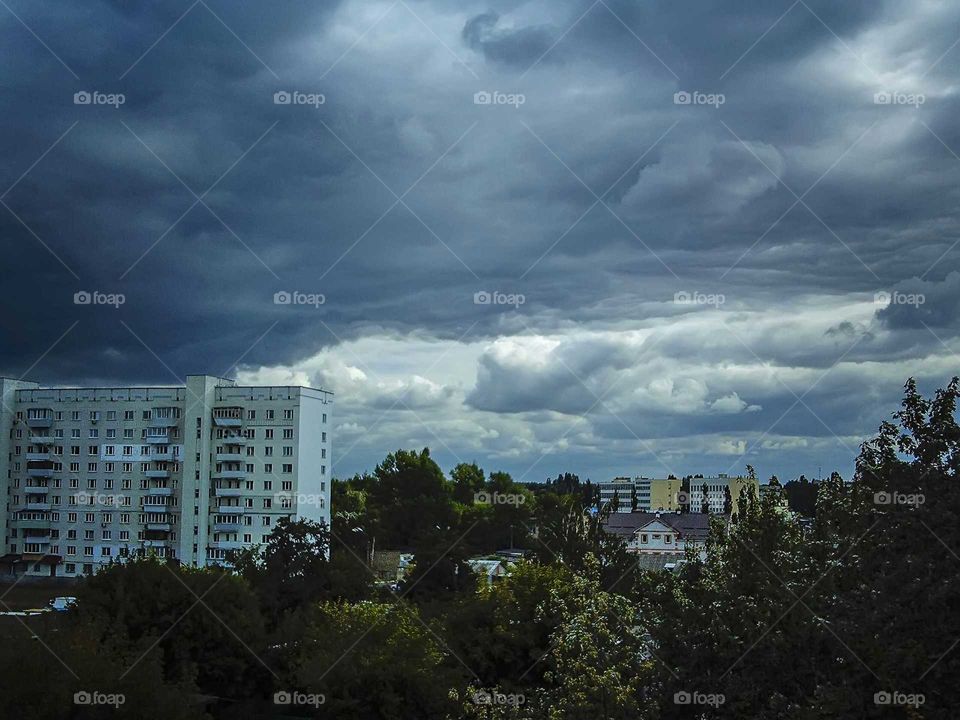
621	489
651	494
717	490
190	472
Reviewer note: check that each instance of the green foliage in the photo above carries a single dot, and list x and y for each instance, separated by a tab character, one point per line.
369	660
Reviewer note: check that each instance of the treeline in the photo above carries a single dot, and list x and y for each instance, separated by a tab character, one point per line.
852	615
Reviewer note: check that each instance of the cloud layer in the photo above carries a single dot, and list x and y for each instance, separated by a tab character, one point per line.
719	236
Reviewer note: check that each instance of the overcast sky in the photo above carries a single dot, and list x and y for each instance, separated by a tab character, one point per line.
710	234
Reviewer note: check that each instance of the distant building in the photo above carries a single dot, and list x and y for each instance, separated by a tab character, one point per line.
651	494
716	491
490	569
620	489
660	533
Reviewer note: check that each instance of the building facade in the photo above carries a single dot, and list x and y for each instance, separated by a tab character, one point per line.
652	494
191	472
716	490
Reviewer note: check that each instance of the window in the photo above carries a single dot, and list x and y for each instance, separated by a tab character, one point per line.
269	414
251	414
111	414
268	468
288	433
288	451
324	417
287	468
267	503
643	537
268	433
288	414
127	415
268	451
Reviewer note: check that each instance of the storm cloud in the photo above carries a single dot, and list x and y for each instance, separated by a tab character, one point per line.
549	236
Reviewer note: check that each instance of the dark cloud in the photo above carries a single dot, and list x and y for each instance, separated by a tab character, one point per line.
598	198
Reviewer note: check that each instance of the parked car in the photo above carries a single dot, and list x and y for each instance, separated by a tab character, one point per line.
62	603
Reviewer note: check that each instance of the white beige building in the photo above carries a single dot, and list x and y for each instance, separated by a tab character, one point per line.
191	472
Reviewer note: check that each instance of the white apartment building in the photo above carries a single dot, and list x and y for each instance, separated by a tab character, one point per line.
191	472
622	489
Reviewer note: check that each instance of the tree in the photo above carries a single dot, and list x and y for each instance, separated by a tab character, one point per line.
215	614
369	661
295	567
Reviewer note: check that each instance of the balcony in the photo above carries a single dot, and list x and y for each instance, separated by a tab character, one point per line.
228	545
154	543
164	526
41	421
162	455
36	506
40	472
35	486
164	421
157	474
234	440
44	539
230	457
230	527
230	509
228	417
228	492
155	439
25	523
43	439
229	474
38	456
160	491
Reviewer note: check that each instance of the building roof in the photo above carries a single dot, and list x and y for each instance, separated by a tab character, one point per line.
693	526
